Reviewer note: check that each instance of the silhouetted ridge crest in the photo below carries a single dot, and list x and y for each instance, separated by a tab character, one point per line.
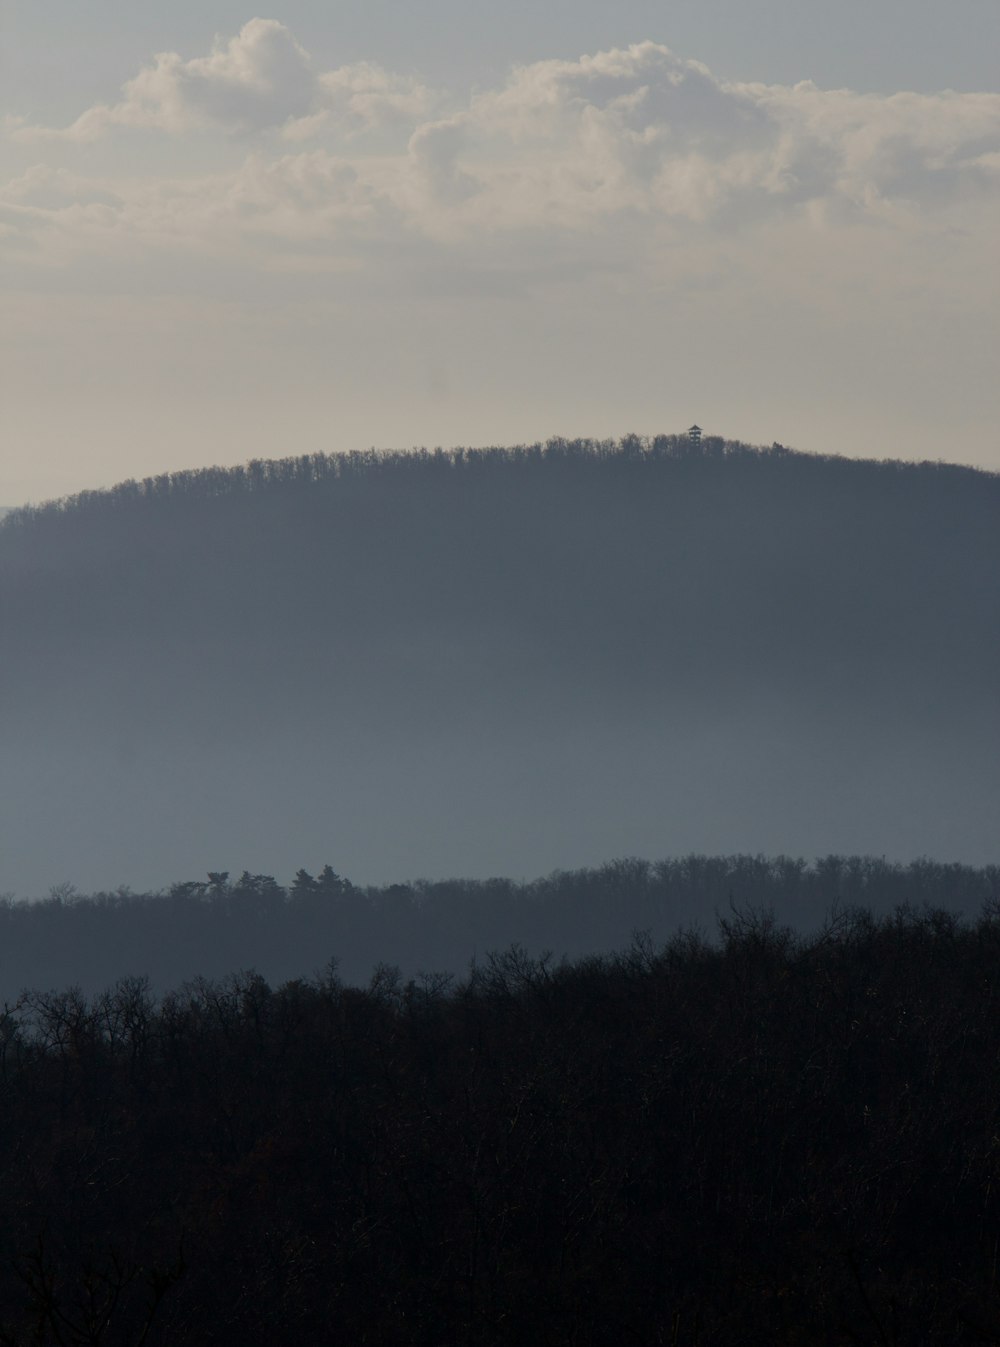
320	469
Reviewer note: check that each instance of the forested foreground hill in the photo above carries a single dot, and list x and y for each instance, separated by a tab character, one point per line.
765	1140
499	662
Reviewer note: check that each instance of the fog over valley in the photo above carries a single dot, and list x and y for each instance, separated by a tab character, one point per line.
499	662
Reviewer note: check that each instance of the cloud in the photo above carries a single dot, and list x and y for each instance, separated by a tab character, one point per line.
252	249
434	174
634	142
367	96
641	128
640	88
259	80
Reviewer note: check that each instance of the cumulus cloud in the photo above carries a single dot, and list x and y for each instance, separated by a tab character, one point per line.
259	80
562	148
640	128
367	96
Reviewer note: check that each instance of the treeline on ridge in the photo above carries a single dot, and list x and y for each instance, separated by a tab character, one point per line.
308	470
210	927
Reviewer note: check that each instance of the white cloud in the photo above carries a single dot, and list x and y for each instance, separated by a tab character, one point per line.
367	96
565	149
259	80
245	238
640	128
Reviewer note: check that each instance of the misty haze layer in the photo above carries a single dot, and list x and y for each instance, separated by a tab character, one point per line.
499	662
208	928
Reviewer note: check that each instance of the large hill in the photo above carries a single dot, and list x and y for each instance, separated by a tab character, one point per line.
501	661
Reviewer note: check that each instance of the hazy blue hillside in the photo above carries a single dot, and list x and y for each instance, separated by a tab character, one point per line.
209	927
500	663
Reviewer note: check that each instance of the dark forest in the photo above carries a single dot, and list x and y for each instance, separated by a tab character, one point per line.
758	1138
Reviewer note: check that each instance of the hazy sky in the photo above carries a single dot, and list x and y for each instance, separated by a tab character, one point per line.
327	226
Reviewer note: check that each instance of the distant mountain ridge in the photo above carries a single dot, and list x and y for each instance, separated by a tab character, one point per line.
500	661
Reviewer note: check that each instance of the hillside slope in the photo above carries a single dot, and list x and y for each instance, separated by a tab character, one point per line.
500	662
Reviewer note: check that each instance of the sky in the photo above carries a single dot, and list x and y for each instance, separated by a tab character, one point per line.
228	234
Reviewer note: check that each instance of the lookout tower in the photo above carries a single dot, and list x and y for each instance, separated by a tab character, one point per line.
694	436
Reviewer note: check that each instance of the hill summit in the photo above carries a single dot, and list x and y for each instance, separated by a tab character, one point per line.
500	661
